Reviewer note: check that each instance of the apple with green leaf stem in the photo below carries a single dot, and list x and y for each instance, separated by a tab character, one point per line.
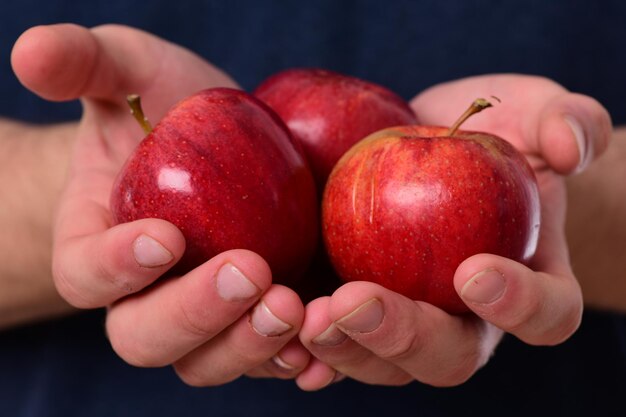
405	206
224	169
328	112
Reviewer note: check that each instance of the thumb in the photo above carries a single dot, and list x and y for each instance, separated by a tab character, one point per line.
65	62
573	130
540	308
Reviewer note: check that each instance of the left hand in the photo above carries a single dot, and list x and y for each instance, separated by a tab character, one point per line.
150	322
376	336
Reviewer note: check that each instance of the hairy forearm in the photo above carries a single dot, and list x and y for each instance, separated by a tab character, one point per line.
33	162
596	227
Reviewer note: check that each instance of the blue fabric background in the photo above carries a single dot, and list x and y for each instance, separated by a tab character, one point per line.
406	45
66	367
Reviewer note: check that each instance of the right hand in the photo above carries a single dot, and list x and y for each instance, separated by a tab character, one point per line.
376	336
221	320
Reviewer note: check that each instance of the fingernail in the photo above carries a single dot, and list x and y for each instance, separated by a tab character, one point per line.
335	377
581	141
149	253
332	336
233	285
265	323
365	318
485	287
278	361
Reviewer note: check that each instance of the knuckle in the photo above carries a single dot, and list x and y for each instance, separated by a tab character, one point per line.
402	348
467	366
113	276
190	375
400	379
248	357
541	324
563	329
133	352
63	282
96	285
460	372
193	321
196	376
345	360
460	364
265	371
522	316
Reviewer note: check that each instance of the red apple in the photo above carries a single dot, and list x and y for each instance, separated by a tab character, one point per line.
405	206
328	112
223	167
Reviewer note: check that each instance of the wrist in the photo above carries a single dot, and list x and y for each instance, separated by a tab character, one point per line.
33	161
596	229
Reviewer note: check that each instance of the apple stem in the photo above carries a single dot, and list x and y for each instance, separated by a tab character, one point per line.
477	106
134	101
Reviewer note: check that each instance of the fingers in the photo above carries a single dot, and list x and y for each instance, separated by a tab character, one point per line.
537	307
286	364
540	117
317	375
214	324
250	342
174	316
572	131
95	266
333	350
94	270
65	61
55	61
392	340
225	311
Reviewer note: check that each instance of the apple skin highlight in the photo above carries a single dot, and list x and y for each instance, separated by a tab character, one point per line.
405	206
224	169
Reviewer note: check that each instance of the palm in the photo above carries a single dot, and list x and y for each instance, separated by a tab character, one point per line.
98	157
108	133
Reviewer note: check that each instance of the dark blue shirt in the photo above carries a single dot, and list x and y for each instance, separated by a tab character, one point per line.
67	368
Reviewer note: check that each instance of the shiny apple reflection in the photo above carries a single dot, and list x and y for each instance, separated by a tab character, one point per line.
174	179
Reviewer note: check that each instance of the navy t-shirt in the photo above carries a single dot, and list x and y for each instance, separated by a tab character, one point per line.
66	367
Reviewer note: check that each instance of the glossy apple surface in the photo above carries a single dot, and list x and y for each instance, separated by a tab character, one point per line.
328	112
407	205
223	168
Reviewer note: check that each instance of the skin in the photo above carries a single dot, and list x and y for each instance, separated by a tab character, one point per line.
596	228
370	334
407	205
96	265
241	170
541	304
34	161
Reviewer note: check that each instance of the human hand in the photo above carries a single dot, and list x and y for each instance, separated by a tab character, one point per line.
377	336
221	320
